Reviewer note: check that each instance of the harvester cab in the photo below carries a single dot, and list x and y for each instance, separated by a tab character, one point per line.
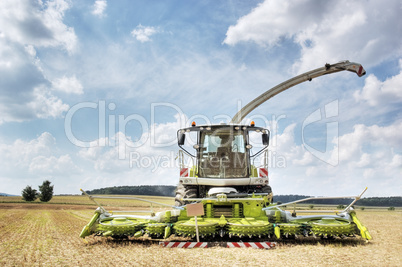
221	157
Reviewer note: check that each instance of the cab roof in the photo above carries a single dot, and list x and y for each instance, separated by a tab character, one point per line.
235	127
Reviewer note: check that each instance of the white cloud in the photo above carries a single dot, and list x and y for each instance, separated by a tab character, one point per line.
70	85
143	33
105	158
396	161
325	30
30	50
40	103
270	21
37	23
99	7
378	93
45	105
352	145
153	162
34	158
368	156
25	27
29	162
52	165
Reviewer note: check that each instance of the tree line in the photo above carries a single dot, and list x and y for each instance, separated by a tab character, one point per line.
142	190
169	191
369	201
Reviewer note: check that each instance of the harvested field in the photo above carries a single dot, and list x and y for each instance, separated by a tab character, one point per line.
47	235
83	200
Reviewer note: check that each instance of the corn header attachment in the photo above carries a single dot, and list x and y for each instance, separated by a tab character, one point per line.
228	216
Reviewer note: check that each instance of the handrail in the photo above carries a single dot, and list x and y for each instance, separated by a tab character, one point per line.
183	164
315	198
265	163
132	198
136	198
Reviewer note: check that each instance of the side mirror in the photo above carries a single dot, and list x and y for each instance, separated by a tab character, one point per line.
181	139
265	139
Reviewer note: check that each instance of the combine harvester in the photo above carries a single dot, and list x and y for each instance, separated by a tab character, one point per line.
228	192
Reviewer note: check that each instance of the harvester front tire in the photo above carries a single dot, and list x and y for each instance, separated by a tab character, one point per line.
183	192
265	189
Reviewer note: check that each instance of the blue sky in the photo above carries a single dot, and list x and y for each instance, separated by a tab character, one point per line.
93	92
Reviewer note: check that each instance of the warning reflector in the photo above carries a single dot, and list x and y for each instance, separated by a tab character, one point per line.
184	244
184	172
265	245
263	172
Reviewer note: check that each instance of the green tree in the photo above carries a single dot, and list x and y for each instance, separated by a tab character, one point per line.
46	191
29	194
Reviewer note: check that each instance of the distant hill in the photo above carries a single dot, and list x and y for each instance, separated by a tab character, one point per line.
169	191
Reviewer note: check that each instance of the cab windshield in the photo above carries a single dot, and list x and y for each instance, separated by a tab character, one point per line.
223	153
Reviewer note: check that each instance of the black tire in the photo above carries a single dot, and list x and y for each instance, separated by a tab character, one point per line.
180	191
183	192
265	189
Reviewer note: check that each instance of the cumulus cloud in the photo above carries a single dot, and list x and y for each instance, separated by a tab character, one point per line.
327	30
271	20
99	7
52	165
25	91
37	23
143	33
34	158
148	159
368	156
376	92
45	105
42	105
351	145
70	85
32	161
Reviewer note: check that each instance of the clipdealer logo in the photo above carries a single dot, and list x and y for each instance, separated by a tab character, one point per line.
111	132
330	154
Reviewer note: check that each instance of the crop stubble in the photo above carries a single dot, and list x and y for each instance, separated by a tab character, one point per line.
48	236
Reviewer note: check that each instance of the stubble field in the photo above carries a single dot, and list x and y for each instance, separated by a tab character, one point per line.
47	235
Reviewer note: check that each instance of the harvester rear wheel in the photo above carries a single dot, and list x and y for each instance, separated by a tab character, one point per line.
183	192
